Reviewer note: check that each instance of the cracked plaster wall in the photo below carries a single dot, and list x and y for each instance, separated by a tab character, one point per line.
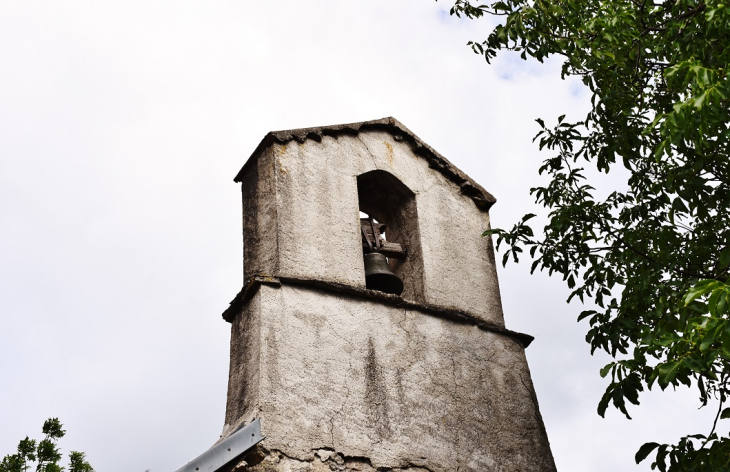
399	387
346	383
301	219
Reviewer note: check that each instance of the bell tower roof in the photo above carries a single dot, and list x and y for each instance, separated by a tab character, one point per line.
481	198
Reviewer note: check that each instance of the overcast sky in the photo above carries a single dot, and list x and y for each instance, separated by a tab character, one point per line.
122	125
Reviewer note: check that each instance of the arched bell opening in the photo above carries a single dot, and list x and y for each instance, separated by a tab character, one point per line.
389	227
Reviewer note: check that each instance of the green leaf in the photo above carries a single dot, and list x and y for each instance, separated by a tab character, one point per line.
603	404
678	205
707	341
667	372
725	258
585	314
644	451
699	101
699	289
490	232
528	216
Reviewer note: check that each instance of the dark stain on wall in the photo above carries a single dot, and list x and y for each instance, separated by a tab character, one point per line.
376	397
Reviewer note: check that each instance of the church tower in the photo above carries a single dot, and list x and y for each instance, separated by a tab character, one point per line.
350	371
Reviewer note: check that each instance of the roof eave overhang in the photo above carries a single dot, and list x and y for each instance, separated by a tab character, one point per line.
481	198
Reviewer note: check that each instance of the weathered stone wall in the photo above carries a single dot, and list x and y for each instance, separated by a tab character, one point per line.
314	231
349	379
374	387
260	242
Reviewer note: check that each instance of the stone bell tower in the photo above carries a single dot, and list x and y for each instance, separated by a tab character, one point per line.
345	377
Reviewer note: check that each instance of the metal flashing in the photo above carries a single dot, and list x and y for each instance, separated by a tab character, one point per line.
226	451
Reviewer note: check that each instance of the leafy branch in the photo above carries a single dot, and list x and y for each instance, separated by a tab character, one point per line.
45	453
654	258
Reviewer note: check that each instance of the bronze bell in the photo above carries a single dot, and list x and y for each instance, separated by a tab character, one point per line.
378	275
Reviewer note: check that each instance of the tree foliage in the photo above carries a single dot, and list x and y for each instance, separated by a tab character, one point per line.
653	257
45	453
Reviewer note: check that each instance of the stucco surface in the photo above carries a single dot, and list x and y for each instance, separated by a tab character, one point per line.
260	219
319	229
349	379
313	231
380	386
